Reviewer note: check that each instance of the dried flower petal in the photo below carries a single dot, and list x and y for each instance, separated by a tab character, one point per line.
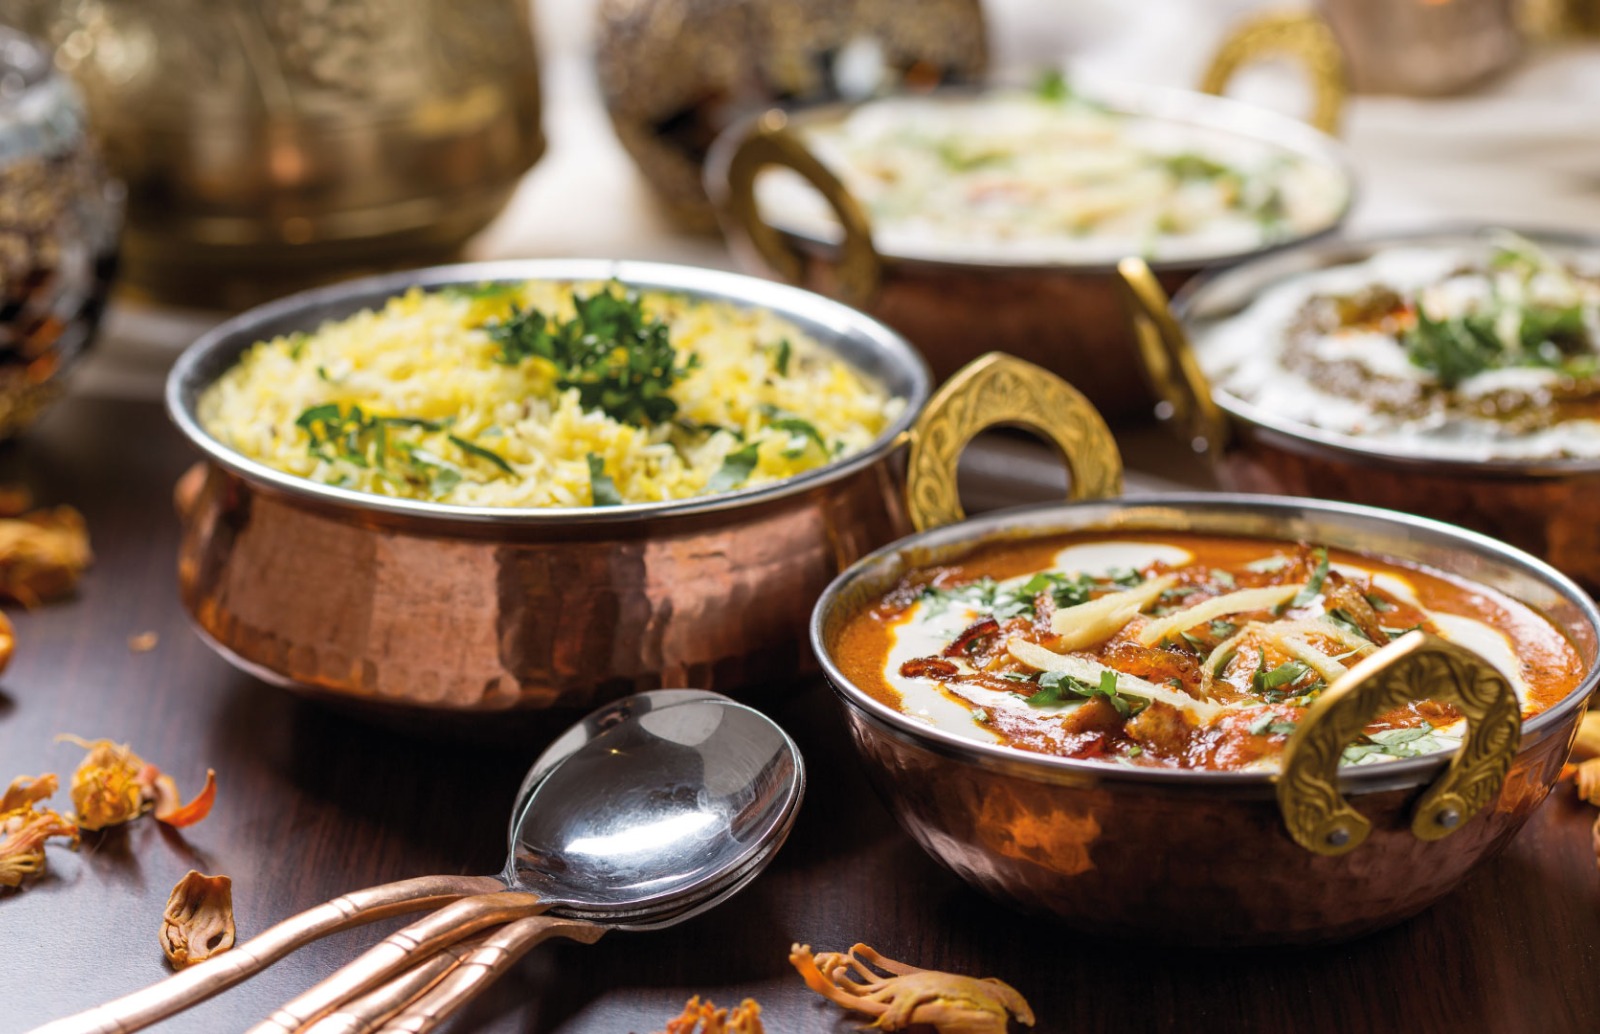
23	832
113	785
42	554
8	641
107	789
170	808
705	1018
948	1002
26	791
198	922
144	642
1587	744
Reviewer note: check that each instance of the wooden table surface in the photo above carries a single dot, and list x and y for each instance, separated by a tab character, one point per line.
311	804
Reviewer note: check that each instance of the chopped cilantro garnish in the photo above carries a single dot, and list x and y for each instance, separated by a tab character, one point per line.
474	449
601	487
1313	587
1270	724
1285	674
735	470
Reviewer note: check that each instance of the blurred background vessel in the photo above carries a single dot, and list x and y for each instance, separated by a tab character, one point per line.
270	144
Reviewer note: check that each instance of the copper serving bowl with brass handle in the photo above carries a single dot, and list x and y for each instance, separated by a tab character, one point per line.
1309	853
1546	507
1064	316
411	608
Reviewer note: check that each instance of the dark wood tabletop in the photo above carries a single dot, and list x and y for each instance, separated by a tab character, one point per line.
312	803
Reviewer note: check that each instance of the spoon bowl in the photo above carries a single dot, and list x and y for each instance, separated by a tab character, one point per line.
666	798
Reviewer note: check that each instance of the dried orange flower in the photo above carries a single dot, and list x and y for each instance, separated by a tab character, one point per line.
705	1018
1587	775
947	1002
42	554
24	829
1587	744
144	642
113	785
198	922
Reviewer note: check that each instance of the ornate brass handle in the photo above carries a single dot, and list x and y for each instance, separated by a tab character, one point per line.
1300	35
998	390
769	143
1169	363
1418	666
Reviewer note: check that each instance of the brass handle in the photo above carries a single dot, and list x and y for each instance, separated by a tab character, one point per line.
197	983
483	966
1169	363
398	952
371	1011
1297	34
1418	666
997	390
769	143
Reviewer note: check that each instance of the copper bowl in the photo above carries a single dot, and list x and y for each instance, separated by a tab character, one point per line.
410	606
1546	507
1064	316
1229	858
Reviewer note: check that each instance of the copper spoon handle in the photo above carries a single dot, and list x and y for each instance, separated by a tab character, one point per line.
482	967
366	1014
398	952
197	983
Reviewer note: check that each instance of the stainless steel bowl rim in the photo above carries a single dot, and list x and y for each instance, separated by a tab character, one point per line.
1388	775
188	379
1139	100
1315	441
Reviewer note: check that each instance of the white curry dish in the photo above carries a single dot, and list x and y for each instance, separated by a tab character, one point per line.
993	218
1452	373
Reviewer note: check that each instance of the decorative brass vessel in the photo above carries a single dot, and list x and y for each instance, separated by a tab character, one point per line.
271	145
1313	853
413	607
1546	507
59	218
676	73
1065	317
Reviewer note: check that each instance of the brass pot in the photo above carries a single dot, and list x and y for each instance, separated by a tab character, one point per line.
411	606
1063	316
1314	853
1546	507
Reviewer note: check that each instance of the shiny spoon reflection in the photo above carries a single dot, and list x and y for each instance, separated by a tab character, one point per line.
649	811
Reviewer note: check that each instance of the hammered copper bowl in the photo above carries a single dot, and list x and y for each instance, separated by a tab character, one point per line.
1224	858
1066	317
1546	507
422	608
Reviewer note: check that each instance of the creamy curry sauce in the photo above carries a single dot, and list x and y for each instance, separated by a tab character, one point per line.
1178	651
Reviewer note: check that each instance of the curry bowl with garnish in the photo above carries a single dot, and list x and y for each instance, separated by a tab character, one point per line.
1210	719
998	215
1454	374
538	485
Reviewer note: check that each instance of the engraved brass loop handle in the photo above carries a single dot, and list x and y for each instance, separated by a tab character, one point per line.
768	143
1300	35
1169	363
1417	666
997	390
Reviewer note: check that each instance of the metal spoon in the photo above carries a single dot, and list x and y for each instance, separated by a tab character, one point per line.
650	810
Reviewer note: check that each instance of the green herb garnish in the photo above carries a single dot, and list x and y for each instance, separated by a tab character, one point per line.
1190	166
1313	587
1270	724
780	360
1052	86
735	469
620	360
474	449
1343	619
602	489
796	426
1285	674
1055	687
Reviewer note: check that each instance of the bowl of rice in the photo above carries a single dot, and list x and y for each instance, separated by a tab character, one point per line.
540	485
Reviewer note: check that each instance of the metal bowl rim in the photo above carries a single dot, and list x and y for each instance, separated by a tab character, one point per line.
1139	100
1398	774
717	285
1348	448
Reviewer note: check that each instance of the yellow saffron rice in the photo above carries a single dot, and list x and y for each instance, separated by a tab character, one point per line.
464	423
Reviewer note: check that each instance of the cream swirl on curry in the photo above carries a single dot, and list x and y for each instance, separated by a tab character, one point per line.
1179	651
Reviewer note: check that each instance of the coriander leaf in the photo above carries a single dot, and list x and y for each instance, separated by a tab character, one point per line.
1052	85
1343	619
735	469
780	361
795	425
1285	674
474	449
620	361
1270	724
1378	603
601	488
1224	579
1313	587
